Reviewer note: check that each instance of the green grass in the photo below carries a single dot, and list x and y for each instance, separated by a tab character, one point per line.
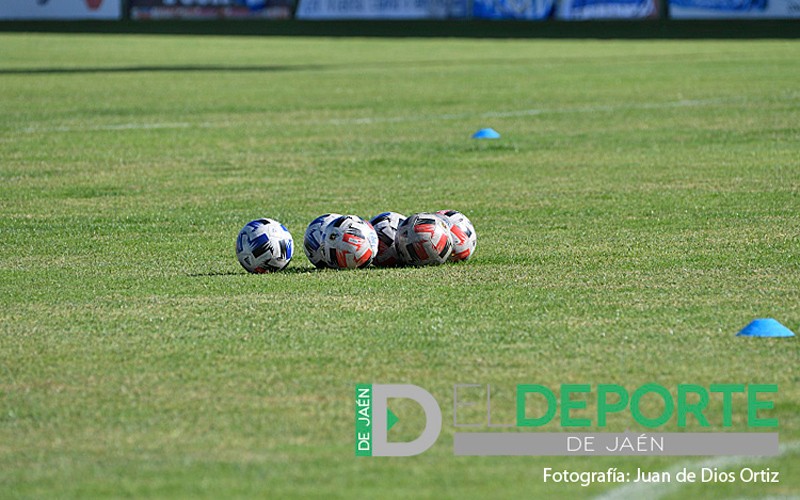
642	206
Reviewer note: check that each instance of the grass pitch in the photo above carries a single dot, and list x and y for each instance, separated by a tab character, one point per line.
642	206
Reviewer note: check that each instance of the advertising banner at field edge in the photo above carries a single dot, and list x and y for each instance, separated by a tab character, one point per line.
734	9
60	9
583	10
211	9
513	9
381	9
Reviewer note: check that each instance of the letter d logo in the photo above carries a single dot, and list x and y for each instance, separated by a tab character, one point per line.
372	411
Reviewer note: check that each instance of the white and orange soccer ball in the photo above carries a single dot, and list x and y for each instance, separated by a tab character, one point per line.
385	225
423	239
349	242
462	233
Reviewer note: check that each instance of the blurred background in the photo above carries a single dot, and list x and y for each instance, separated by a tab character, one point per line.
318	10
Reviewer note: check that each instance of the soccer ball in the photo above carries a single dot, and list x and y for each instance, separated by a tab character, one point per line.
385	225
423	239
462	234
312	240
264	245
349	242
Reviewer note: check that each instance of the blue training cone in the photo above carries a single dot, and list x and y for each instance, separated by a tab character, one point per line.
486	133
765	327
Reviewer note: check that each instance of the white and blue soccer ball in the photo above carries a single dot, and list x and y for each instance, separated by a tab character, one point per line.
423	240
349	242
385	225
312	239
462	234
264	245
